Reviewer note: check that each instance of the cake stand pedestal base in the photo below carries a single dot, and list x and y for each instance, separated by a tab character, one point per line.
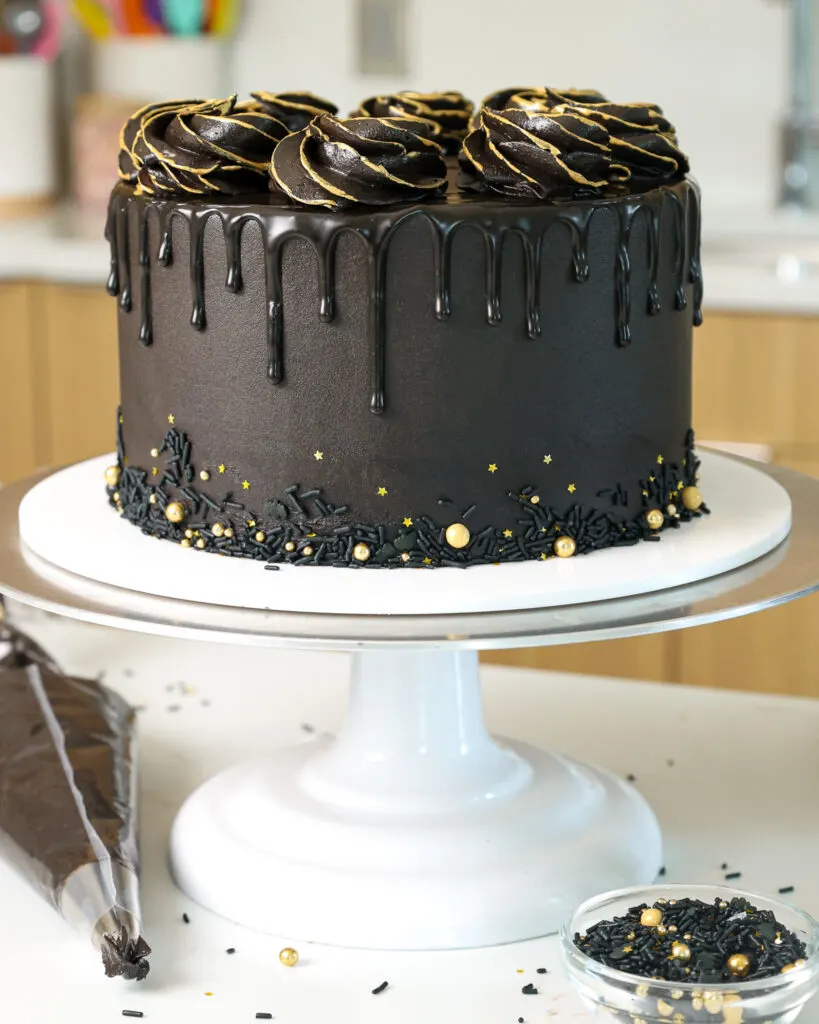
414	829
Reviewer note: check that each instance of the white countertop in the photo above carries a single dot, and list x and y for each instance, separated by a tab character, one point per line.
740	256
731	776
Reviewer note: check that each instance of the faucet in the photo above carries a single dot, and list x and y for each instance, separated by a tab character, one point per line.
800	131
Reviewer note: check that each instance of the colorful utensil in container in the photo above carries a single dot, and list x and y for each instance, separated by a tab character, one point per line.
136	20
95	17
184	17
224	14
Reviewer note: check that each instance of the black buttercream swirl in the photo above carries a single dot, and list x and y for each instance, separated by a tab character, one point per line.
534	154
451	111
539	97
198	147
294	109
362	160
643	143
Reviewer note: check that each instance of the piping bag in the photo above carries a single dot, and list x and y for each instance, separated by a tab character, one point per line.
68	809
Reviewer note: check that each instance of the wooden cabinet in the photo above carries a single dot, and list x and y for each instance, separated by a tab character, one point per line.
18	449
754	380
59	381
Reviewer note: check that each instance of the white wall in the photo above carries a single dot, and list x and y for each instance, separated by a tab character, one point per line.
718	67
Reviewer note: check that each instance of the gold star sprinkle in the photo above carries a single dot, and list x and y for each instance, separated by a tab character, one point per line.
154	471
408	521
680	485
547	459
571	488
543	556
382	492
318	456
493	467
245	485
171	419
251	522
660	460
645	494
427	561
507	533
652	479
222	467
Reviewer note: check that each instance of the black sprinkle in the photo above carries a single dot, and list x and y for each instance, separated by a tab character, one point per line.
733	874
661	872
205	703
132	1013
520	1020
529	990
186	919
380	989
264	1016
306	727
786	888
232	949
542	970
671	762
724	865
717	930
631	778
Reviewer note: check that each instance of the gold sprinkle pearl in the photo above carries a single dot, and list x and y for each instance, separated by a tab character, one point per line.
405	557
228	532
218	530
290	546
185	543
664	1009
361	552
112	475
152	499
154	453
651	917
204	475
671	510
175	512
679	951
307	551
655	518
535	499
115	496
289	957
739	965
788	967
691	498
565	547
457	536
201	543
261	536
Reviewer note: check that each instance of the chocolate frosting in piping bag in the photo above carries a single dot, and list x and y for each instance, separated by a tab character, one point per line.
68	800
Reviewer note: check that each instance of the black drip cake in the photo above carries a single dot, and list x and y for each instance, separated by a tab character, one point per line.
422	336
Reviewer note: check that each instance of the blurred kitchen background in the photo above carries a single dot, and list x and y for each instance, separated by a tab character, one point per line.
739	78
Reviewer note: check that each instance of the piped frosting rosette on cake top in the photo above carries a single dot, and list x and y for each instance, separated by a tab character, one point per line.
450	111
540	143
198	147
370	161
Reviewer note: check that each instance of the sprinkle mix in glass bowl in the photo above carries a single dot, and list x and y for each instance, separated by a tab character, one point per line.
692	953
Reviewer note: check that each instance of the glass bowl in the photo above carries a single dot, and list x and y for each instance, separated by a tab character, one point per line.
635	999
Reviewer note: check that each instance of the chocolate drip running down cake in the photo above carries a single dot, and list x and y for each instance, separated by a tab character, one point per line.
422	336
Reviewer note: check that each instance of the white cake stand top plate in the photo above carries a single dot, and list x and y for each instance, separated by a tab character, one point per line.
751	514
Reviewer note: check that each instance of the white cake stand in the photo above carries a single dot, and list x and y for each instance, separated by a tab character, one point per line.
414	829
